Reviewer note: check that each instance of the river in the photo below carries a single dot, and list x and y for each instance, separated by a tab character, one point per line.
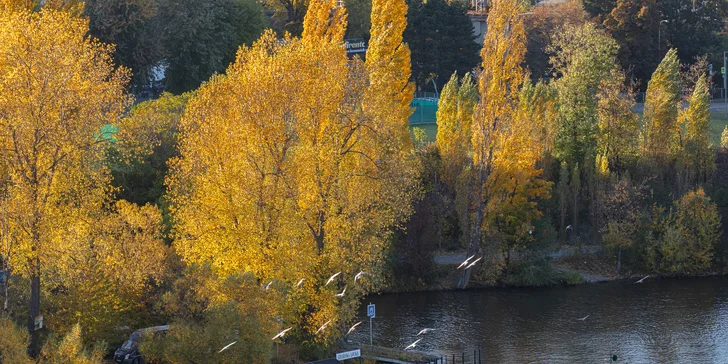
658	321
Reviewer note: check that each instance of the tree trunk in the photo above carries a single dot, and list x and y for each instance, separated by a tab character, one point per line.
34	308
474	243
619	259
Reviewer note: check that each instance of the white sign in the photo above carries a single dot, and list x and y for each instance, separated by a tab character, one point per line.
348	354
38	322
370	311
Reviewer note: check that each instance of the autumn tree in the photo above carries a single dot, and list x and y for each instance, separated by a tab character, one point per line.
634	24
547	20
454	117
660	139
697	155
692	235
146	140
584	56
617	136
59	89
289	14
502	181
297	164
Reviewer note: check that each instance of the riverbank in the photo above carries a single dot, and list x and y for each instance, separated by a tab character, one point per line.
567	266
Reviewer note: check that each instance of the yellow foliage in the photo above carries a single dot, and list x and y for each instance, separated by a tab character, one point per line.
293	166
454	118
13	343
70	350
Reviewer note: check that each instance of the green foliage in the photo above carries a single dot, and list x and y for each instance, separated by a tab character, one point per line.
539	273
584	56
202	38
724	138
440	36
134	28
146	141
684	241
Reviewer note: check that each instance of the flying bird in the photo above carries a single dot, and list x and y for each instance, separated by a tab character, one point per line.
300	282
323	327
424	331
341	294
358	275
466	262
282	333
642	280
353	328
268	286
530	232
412	346
331	279
583	318
569	228
473	263
227	346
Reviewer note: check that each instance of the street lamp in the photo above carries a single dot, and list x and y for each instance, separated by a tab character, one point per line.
659	41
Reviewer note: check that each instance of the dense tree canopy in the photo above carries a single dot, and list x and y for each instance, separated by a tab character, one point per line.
440	35
201	38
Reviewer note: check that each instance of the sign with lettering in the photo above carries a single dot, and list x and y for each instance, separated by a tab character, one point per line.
354	46
348	354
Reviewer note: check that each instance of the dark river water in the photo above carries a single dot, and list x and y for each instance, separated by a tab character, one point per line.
658	321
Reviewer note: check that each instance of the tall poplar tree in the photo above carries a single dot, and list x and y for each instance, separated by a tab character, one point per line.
698	156
454	118
661	132
57	89
297	164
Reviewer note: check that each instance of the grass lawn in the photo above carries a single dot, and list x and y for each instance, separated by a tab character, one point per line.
717	123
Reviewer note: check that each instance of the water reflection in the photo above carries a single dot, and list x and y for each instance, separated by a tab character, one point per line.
659	321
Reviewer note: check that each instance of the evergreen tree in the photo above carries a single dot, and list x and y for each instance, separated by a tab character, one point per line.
440	35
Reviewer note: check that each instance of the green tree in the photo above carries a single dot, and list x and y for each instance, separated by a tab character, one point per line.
146	141
584	57
661	132
440	35
359	18
70	349
698	155
202	38
634	24
693	27
133	26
